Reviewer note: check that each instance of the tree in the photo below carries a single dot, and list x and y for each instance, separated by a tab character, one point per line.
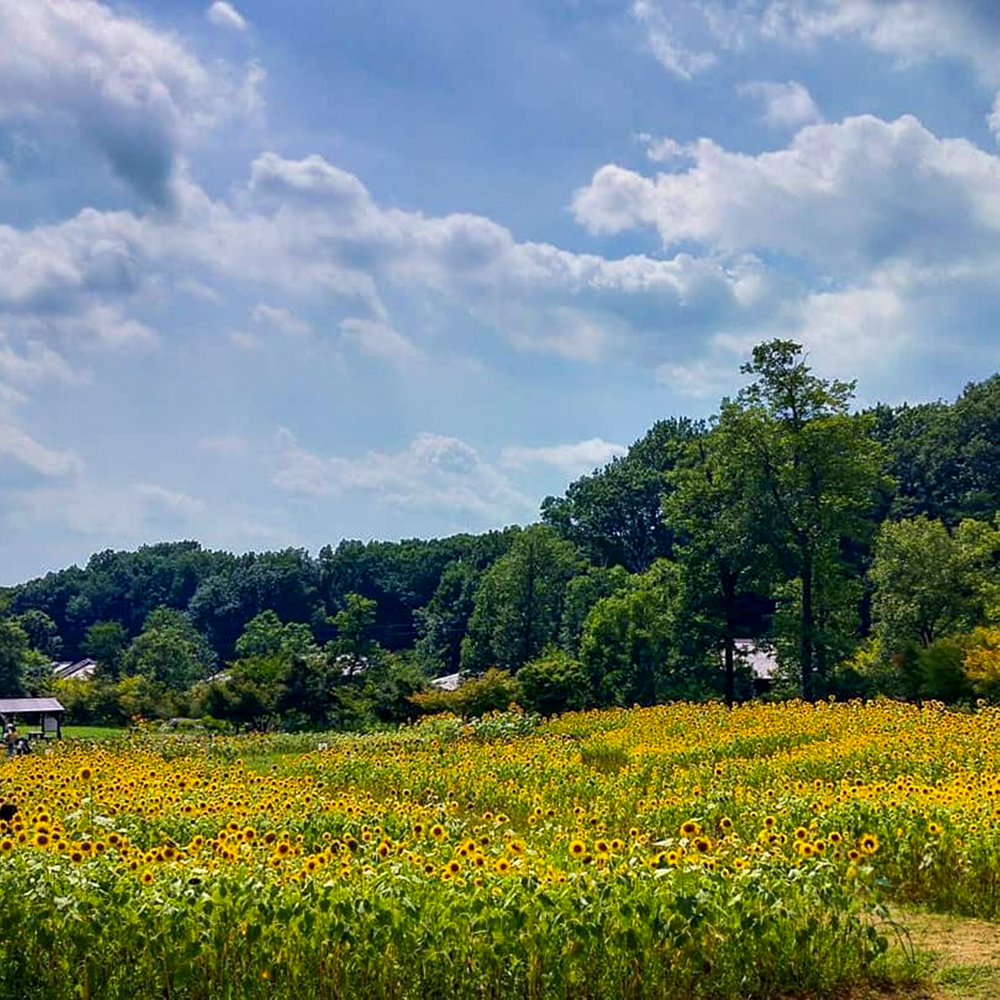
106	642
14	650
614	514
266	635
43	636
812	469
169	651
518	607
931	582
716	518
354	641
632	647
582	593
441	625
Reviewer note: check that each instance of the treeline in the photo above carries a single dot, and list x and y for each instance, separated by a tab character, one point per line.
863	547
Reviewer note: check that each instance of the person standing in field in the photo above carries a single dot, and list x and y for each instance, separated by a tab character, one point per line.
10	739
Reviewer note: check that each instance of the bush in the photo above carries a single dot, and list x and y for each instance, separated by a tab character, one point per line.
493	692
554	683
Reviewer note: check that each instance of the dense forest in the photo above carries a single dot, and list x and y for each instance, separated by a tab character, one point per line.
862	546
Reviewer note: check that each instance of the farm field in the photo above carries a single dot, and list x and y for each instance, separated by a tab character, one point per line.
677	851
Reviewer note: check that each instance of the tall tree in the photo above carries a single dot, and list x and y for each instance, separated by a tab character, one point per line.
813	470
715	514
518	607
613	515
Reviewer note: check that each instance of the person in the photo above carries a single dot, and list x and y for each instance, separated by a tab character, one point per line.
10	739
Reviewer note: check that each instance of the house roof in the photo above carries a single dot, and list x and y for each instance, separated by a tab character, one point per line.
762	662
17	706
450	682
79	669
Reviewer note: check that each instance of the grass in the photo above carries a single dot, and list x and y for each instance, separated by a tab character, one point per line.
91	732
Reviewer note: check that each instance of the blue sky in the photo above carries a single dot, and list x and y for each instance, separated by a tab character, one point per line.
280	274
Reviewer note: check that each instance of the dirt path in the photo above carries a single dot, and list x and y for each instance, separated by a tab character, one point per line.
965	954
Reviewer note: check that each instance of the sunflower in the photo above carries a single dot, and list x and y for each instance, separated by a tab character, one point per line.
869	843
689	828
577	847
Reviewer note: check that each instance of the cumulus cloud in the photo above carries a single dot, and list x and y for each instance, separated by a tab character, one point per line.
225	15
846	196
786	105
571	459
435	472
134	93
315	233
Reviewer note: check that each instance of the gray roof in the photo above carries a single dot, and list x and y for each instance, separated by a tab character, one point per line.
450	682
16	706
78	670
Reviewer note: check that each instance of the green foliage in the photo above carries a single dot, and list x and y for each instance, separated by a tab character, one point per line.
494	691
716	515
942	671
930	581
43	635
169	651
519	605
266	635
14	650
554	682
614	514
633	647
810	469
353	624
106	642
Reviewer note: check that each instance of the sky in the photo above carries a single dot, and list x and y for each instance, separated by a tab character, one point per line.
281	274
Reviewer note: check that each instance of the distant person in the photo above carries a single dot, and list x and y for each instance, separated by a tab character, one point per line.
10	739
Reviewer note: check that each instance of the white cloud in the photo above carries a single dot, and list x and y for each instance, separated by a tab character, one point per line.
378	340
786	105
17	445
134	93
847	196
281	320
700	377
111	514
225	445
993	118
437	473
661	36
225	15
571	459
911	30
38	363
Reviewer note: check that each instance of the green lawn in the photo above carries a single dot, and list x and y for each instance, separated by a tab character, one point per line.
91	732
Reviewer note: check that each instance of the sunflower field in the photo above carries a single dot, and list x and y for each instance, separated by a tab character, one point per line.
677	851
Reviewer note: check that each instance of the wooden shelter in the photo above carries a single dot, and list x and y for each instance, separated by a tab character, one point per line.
43	714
